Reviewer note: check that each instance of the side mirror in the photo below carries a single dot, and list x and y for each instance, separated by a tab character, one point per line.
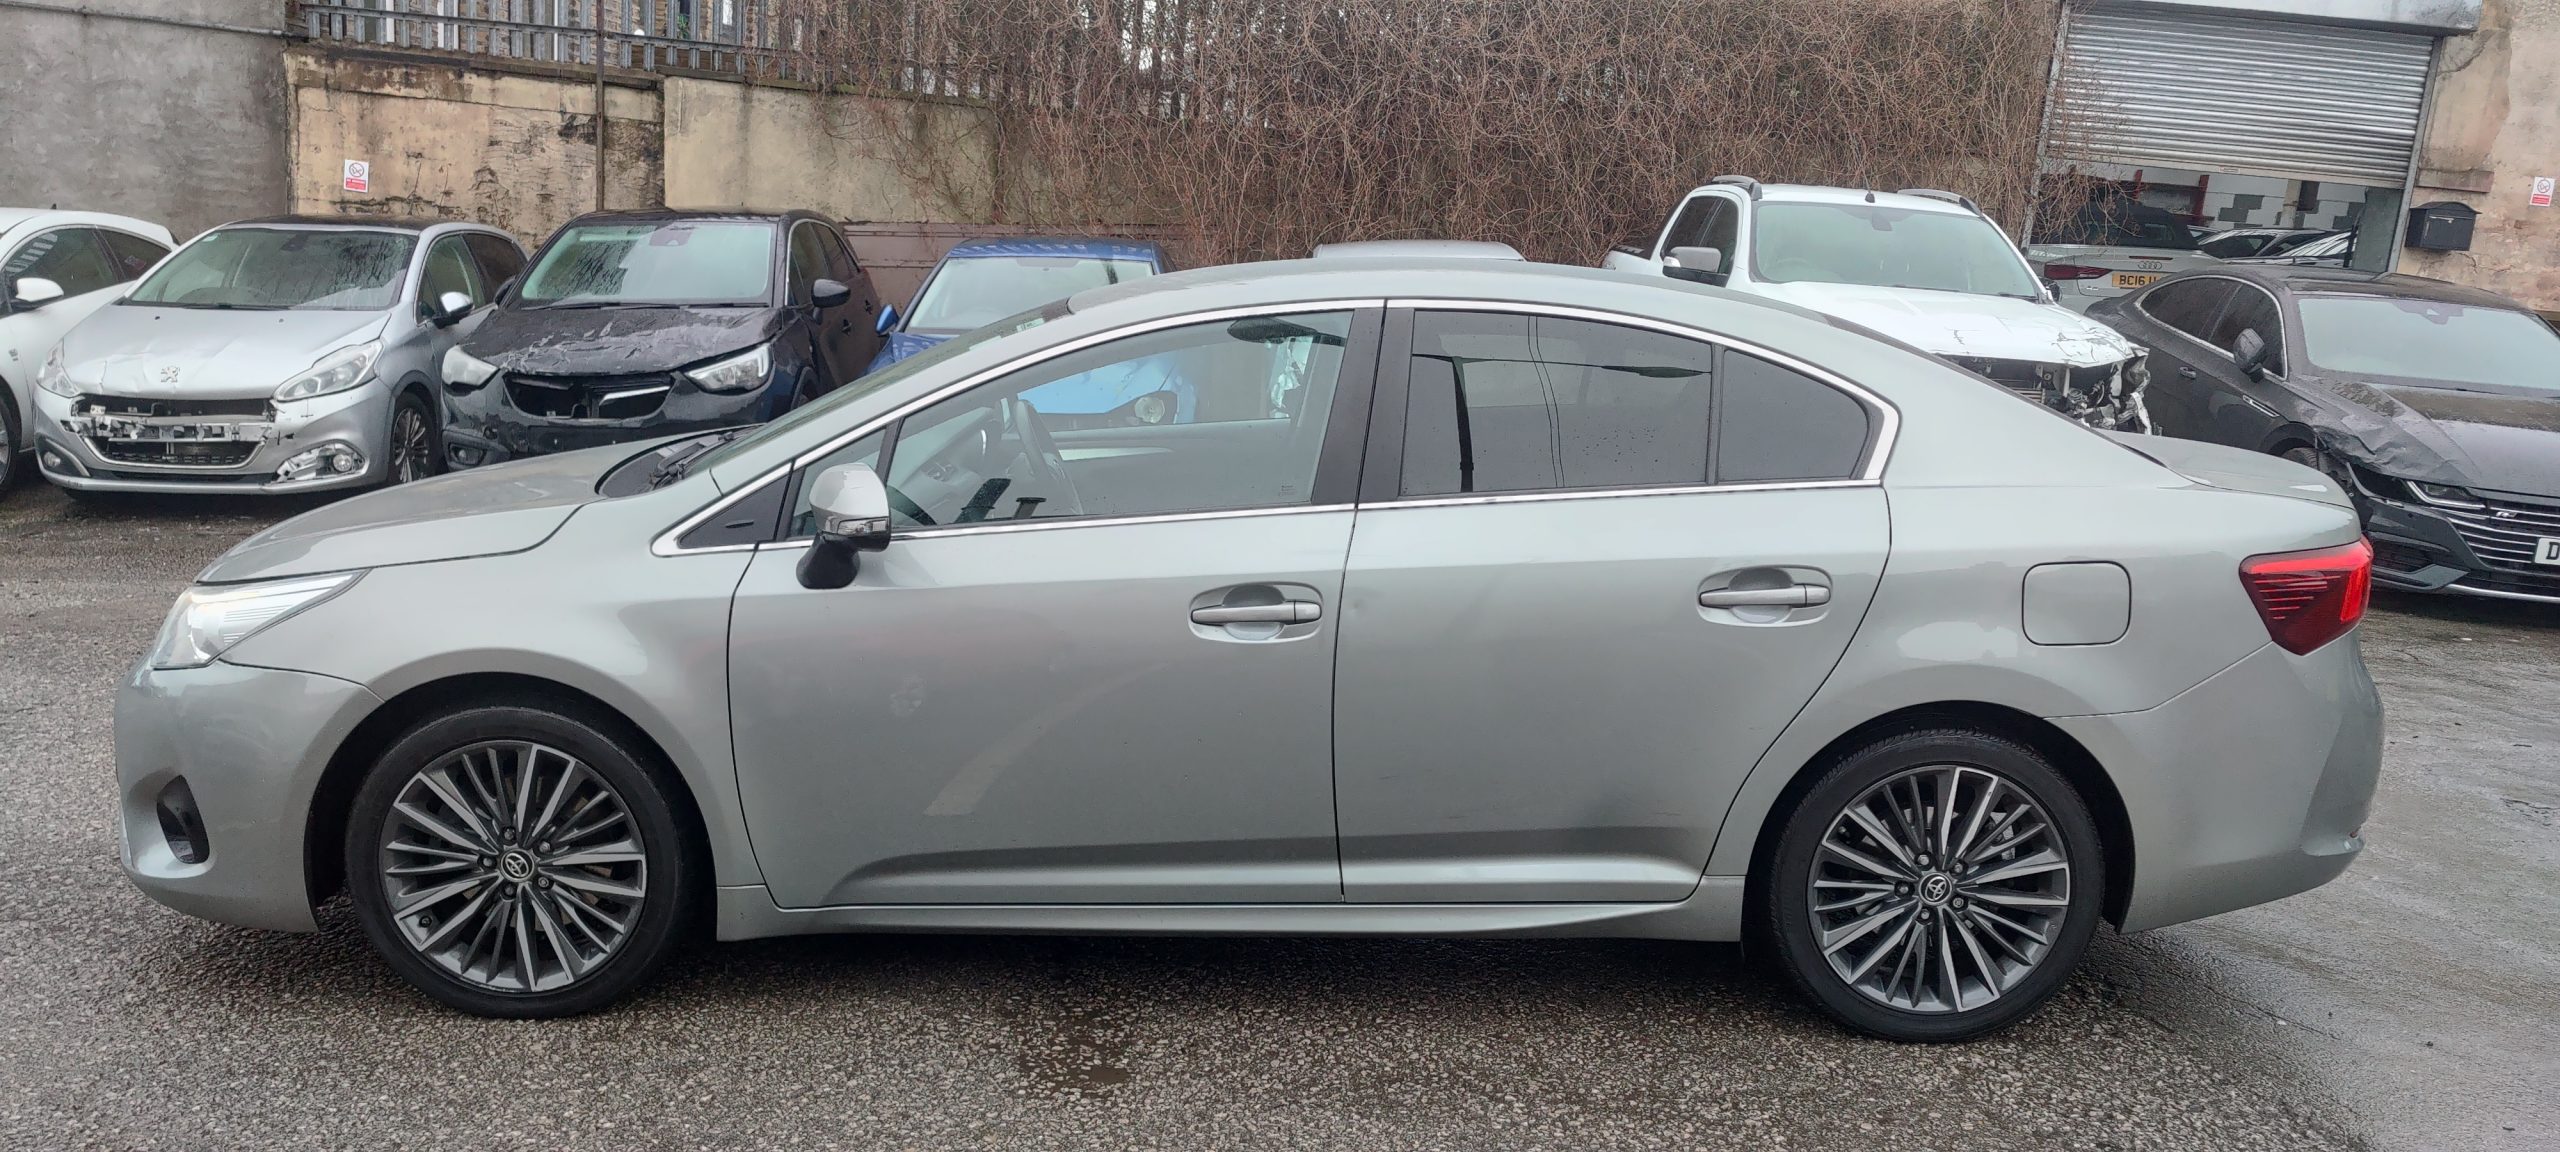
1703	265
852	509
2251	351
449	309
830	294
888	321
34	292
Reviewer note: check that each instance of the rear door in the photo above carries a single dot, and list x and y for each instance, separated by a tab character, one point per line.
1567	631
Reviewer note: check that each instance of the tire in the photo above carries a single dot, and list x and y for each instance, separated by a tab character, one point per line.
1934	984
2307	457
416	443
526	928
14	464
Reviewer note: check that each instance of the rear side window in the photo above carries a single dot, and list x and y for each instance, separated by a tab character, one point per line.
1774	423
499	260
133	255
1515	403
2189	306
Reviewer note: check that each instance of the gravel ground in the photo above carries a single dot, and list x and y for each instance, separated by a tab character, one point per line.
2412	1004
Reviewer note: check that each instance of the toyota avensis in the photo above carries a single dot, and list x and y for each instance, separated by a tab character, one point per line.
1449	607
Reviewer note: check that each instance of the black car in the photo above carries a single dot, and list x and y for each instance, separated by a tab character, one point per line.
2436	406
633	325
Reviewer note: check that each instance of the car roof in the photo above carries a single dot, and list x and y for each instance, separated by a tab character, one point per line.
2311	280
13	217
1073	247
650	215
1826	194
383	223
1417	249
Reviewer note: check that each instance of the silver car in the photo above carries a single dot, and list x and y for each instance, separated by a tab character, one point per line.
1464	597
294	354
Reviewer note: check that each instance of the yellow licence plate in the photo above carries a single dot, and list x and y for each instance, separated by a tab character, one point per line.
2135	279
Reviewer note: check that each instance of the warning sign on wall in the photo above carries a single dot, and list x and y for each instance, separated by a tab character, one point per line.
2542	191
359	176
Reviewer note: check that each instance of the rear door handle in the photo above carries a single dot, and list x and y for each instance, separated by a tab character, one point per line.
1795	596
1285	612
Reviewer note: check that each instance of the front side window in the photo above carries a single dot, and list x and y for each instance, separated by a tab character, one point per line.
1247	402
1886	247
70	257
318	269
665	263
449	269
2251	310
2431	340
808	261
1705	222
974	290
2190	306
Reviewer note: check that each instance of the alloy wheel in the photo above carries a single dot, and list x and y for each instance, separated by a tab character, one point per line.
513	867
1939	889
412	448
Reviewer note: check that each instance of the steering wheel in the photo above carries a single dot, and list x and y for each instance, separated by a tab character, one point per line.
1041	455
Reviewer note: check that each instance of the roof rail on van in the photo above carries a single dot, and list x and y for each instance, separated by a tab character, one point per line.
1941	194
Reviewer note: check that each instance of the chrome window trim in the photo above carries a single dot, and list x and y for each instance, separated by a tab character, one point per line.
665	544
1545	495
2208	345
1002	527
1889	419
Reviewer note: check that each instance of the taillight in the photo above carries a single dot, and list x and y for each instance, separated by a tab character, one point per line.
2072	272
2310	598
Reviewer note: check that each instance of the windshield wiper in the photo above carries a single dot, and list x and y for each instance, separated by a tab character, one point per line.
673	468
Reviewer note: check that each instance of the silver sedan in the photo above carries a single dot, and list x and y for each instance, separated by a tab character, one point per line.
1441	597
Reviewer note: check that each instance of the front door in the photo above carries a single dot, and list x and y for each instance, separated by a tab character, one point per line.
2181	312
1078	674
1598	569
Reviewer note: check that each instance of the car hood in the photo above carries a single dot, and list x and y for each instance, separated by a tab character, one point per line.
209	353
616	341
2502	442
1963	324
482	512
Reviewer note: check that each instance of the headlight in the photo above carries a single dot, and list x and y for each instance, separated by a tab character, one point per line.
464	370
207	621
53	379
2445	495
737	373
336	372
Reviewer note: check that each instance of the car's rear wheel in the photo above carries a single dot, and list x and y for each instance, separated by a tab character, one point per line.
1936	885
520	862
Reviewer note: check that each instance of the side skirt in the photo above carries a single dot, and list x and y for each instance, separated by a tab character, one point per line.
1713	912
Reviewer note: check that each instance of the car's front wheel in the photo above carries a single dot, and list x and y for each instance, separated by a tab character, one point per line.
1935	886
415	453
520	861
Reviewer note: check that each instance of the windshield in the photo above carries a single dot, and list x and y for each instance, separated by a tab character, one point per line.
2430	340
820	407
1887	247
974	290
673	262
319	269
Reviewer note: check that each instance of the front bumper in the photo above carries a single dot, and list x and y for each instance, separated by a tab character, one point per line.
485	429
251	744
2421	549
70	455
2249	787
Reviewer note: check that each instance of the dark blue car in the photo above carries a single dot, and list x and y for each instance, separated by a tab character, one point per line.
982	281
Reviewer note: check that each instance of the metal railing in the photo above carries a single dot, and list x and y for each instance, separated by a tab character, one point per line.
740	37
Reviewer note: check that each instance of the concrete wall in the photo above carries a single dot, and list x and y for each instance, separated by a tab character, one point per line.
515	148
161	118
735	145
2495	125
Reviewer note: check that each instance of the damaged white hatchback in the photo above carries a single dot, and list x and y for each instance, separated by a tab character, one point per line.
1922	266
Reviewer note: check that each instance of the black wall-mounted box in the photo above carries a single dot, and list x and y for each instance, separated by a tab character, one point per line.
2444	226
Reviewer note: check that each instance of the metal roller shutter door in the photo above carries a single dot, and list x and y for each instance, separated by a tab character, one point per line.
2237	94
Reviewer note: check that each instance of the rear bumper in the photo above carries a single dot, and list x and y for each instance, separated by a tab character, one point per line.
2249	787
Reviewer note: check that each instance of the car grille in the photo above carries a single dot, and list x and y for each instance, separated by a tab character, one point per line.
254	406
2024	377
2504	533
190	454
2398	557
590	397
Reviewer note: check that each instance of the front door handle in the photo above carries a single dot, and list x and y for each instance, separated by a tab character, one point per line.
2186	373
1285	612
1793	596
